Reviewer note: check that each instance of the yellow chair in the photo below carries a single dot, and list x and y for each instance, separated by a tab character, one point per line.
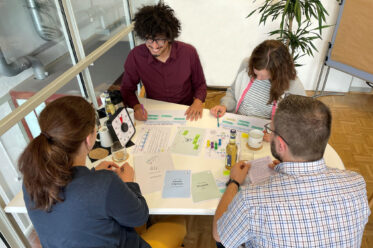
142	92
168	233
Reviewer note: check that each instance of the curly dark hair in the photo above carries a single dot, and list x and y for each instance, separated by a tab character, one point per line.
273	56
153	20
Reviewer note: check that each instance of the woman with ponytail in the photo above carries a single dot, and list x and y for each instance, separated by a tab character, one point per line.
68	204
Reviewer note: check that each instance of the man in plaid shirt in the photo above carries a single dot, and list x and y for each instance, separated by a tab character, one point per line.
305	204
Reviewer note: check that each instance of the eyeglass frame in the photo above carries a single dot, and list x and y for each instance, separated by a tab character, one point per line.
267	128
151	41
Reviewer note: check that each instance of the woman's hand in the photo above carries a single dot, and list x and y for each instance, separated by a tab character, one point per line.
107	165
266	136
126	173
218	108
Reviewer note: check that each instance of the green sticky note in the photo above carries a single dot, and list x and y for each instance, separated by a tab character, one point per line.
243	124
196	147
228	122
227	172
194	141
247	122
167	116
153	116
259	128
179	119
197	136
185	132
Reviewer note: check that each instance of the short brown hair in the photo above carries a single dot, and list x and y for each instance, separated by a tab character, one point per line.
46	163
273	56
305	123
153	20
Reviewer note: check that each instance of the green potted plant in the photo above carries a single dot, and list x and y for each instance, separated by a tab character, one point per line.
297	29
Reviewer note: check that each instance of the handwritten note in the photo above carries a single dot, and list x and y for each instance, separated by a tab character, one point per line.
150	170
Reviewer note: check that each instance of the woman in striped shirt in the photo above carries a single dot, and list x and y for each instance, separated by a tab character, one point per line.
269	75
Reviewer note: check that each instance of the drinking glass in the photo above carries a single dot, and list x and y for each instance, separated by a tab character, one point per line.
118	152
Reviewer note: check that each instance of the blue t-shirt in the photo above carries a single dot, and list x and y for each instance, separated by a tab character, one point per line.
99	210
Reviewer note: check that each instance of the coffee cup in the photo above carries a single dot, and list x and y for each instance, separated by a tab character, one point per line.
105	137
255	139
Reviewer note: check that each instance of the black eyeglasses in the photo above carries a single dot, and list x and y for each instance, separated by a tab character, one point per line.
160	42
269	130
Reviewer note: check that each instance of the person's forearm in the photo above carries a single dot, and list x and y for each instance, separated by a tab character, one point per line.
197	100
225	200
129	98
200	93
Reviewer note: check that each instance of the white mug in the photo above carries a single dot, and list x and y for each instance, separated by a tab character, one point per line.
255	138
105	137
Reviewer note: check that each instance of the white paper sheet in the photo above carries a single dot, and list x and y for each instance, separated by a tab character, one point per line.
259	170
242	123
150	170
176	184
219	135
152	139
188	141
166	117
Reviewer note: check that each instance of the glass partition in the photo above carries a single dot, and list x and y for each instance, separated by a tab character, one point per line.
33	51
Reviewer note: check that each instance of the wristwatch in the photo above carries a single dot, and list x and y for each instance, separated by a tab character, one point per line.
232	181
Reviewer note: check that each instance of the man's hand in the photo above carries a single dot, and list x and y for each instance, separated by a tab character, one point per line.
107	165
126	173
218	108
239	171
140	112
273	164
195	110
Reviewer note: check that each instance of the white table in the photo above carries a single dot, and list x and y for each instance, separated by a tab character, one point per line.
186	206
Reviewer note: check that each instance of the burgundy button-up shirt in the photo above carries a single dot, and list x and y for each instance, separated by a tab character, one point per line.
179	80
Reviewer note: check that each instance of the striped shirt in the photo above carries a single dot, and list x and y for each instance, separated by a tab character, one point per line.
303	205
255	102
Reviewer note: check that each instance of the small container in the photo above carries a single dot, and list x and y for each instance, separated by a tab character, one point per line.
118	152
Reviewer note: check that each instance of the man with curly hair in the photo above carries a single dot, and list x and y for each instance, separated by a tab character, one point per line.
170	70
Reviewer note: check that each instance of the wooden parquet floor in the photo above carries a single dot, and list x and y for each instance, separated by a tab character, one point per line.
352	138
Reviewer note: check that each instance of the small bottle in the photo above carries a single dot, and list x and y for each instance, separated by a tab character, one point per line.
109	106
231	151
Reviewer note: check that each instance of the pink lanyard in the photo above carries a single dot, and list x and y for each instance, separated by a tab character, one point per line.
243	96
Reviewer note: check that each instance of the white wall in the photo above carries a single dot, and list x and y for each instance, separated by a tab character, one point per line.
224	36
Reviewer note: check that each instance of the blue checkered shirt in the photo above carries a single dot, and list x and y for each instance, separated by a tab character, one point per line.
303	205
